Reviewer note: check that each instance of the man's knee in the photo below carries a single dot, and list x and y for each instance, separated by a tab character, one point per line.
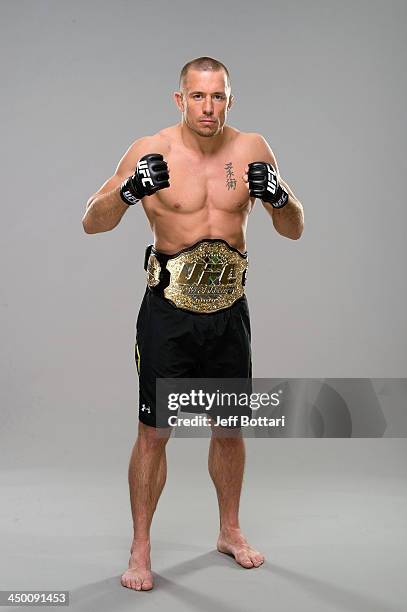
227	436
153	437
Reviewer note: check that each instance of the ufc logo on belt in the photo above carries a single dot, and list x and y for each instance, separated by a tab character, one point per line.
207	274
142	169
271	180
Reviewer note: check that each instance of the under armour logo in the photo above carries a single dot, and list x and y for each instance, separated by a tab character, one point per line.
142	169
145	408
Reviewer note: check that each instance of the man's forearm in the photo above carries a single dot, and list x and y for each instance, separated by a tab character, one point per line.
104	212
289	220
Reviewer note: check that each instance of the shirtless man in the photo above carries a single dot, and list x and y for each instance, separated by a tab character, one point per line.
197	198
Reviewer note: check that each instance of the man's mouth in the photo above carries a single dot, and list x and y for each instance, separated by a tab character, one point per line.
206	121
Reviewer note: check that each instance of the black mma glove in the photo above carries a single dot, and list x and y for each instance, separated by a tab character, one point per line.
151	175
263	184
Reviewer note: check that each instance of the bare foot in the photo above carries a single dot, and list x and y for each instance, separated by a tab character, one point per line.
232	542
139	576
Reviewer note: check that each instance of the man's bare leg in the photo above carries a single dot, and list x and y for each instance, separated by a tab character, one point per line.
226	466
147	475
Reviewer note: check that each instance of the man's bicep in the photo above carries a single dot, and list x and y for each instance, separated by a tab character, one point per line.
264	152
271	158
125	167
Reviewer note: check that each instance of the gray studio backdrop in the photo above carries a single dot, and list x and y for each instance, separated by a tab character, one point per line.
323	81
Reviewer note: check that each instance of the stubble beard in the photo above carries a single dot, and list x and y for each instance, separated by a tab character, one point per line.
205	133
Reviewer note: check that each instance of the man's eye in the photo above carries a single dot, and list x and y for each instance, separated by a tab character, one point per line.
197	96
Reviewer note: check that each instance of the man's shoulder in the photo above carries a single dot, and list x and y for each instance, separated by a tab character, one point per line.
258	147
165	137
253	138
159	142
248	139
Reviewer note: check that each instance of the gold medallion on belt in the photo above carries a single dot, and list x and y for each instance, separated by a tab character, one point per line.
205	278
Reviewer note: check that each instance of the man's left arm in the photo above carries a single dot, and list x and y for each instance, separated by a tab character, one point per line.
289	219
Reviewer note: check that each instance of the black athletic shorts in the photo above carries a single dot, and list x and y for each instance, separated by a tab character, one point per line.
174	343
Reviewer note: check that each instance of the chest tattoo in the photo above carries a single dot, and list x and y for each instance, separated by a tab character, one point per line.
230	177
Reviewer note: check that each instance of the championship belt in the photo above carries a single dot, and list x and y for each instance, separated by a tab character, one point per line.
206	277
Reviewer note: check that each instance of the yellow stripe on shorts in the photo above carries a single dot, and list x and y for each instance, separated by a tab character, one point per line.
137	358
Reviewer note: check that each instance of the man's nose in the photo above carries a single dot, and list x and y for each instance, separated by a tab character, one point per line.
208	106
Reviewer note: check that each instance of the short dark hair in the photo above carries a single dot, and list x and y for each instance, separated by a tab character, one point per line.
203	63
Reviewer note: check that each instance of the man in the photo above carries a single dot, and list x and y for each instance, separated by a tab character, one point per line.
197	182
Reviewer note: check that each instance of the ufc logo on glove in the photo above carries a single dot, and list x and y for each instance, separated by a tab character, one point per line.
142	168
271	180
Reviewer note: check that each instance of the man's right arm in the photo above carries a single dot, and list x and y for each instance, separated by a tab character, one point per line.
105	208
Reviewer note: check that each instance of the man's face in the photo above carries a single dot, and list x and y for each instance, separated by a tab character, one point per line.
204	101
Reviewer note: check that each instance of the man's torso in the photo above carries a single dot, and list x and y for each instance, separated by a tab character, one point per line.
207	198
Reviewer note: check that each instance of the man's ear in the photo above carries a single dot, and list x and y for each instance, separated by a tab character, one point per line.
179	100
231	100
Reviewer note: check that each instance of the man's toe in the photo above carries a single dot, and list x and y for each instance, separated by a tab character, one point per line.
244	560
147	584
257	559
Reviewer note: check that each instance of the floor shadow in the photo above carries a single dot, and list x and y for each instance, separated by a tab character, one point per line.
329	593
109	594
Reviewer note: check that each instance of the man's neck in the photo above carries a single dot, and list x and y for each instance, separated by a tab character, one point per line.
200	144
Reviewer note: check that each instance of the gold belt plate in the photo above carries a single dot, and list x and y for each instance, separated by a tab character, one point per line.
206	278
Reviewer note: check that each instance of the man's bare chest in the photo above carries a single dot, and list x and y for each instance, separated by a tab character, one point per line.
215	182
